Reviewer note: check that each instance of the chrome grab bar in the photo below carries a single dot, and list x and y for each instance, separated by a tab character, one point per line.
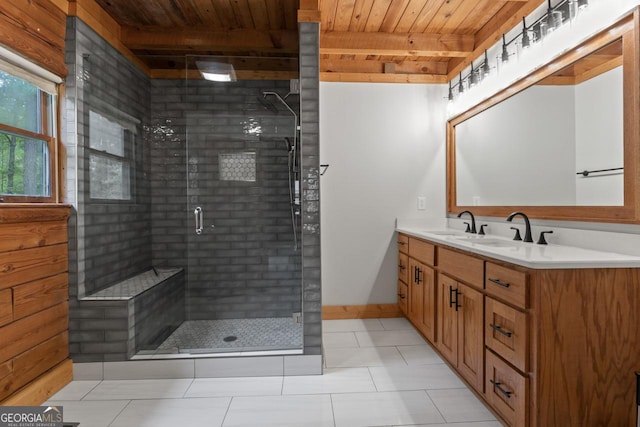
199	219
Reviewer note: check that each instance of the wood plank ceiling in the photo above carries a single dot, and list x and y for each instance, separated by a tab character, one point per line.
361	40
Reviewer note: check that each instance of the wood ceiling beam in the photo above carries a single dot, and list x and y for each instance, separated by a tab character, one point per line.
502	22
309	11
243	40
396	44
332	65
382	78
242	64
240	74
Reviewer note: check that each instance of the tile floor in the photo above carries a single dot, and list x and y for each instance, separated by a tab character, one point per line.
379	372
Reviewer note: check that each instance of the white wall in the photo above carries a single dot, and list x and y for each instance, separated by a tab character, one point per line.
385	144
599	136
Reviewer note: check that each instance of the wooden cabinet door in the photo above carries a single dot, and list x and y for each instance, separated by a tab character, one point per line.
428	321
447	319
416	291
471	335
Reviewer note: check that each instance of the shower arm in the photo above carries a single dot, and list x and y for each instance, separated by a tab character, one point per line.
277	95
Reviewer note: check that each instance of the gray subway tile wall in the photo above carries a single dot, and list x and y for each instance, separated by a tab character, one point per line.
115	240
310	145
109	240
113	237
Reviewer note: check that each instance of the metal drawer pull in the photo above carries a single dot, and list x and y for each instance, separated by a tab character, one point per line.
402	243
502	331
402	267
418	279
401	296
500	283
451	290
498	385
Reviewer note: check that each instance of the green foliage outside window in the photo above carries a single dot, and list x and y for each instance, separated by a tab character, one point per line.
24	161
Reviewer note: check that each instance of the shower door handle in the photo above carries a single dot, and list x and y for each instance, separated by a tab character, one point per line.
197	213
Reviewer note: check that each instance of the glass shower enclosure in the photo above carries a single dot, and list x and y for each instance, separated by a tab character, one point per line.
243	291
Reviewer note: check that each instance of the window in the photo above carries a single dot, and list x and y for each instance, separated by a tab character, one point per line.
26	141
111	145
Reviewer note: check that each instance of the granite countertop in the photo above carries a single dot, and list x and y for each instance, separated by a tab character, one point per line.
530	255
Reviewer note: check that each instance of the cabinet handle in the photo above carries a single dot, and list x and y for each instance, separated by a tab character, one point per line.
451	296
401	296
401	243
416	275
502	331
418	279
499	282
458	293
498	385
402	267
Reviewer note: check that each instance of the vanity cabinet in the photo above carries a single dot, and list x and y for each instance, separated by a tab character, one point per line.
460	315
542	347
422	291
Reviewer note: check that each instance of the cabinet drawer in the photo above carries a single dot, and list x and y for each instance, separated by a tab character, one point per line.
460	266
507	284
403	292
506	332
506	391
403	267
421	251
403	243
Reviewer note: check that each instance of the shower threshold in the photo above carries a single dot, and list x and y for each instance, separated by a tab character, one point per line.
229	337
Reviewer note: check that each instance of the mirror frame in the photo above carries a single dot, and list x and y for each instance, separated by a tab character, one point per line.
626	29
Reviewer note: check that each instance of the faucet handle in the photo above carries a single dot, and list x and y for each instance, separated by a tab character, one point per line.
468	230
481	231
517	236
542	240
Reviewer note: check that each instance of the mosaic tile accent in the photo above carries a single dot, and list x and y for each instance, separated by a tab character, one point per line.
133	286
198	336
237	166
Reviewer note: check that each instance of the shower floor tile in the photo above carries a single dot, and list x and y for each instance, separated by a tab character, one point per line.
207	336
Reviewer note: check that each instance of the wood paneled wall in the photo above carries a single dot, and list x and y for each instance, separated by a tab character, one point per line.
36	30
34	296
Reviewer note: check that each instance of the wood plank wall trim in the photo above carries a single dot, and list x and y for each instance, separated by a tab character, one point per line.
45	386
368	311
35	29
30	212
34	294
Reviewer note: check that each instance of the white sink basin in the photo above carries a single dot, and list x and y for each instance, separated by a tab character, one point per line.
496	243
473	237
443	232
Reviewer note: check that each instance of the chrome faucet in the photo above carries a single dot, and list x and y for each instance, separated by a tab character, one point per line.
473	222
527	225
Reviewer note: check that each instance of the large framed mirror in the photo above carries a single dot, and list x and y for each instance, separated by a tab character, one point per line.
562	143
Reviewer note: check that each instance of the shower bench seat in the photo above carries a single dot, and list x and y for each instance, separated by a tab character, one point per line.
134	314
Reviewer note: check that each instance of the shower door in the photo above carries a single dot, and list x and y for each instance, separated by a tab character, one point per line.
244	261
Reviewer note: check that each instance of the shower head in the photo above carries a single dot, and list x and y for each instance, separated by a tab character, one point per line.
267	104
